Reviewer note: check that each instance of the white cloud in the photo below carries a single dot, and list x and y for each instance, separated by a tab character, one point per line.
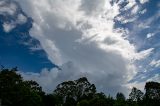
143	1
51	78
141	85
21	19
144	54
143	25
10	9
7	8
7	27
156	78
135	9
125	20
83	43
130	4
149	21
143	11
149	35
155	63
129	12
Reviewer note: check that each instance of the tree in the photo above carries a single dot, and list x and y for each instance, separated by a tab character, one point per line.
83	103
120	99
99	100
152	95
16	92
49	100
9	81
77	90
84	89
120	96
136	94
152	90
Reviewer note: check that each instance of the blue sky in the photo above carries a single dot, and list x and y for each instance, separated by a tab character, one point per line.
15	53
118	39
16	48
139	37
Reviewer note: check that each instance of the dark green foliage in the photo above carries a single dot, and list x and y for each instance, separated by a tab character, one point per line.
152	95
14	91
136	95
152	90
98	100
120	99
83	103
120	96
49	100
75	90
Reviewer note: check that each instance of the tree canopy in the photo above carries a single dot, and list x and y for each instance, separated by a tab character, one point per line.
136	94
14	91
75	90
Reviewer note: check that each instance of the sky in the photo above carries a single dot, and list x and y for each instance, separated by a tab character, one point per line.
114	43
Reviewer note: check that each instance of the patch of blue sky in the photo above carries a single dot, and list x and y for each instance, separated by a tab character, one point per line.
15	48
140	37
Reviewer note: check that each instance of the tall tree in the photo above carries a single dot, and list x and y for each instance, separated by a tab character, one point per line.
152	95
120	96
152	90
136	94
120	99
16	92
75	90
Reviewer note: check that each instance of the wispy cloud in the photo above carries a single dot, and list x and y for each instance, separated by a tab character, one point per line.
143	1
10	9
155	63
7	7
7	27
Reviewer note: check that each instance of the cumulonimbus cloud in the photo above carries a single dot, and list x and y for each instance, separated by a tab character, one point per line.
80	36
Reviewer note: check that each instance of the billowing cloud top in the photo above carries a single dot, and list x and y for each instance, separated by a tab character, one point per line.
86	38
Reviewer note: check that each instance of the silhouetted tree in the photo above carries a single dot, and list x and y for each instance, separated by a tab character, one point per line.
120	99
98	100
135	97
83	103
136	94
49	100
152	90
77	90
152	95
16	92
120	96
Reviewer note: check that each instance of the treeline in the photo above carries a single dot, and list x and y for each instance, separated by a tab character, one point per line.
14	91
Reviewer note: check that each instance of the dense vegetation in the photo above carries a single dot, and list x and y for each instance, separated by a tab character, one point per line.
14	91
